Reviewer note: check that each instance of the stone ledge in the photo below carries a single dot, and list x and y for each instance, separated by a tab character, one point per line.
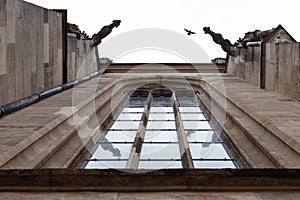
261	124
159	180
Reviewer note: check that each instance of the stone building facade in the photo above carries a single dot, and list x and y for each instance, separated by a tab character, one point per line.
268	59
44	146
37	53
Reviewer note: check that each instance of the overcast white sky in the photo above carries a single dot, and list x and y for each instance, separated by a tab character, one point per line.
231	18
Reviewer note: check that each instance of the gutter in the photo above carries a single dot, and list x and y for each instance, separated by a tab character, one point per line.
22	103
254	44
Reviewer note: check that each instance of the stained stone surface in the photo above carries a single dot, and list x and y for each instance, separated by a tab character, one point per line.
153	195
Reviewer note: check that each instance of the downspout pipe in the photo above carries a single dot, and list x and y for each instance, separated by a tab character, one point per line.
69	85
17	105
253	44
250	44
50	92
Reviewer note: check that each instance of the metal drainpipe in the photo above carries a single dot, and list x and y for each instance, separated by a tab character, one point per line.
70	85
254	44
50	92
17	105
9	108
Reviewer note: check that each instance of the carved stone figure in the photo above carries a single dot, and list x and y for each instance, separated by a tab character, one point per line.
73	28
225	43
106	30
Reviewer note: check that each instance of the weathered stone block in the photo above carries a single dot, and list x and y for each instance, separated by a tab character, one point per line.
2	13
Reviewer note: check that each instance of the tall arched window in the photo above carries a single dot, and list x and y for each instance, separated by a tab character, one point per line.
158	128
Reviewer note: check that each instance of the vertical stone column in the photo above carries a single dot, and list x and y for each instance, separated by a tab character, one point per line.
186	158
133	161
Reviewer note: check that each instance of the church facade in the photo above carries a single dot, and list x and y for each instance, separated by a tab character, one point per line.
144	131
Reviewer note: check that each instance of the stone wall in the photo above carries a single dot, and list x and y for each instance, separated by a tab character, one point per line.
280	61
30	49
83	59
283	69
33	53
191	195
246	65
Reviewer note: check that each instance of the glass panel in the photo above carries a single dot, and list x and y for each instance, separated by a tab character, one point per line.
161	109
161	136
161	116
106	164
160	151
194	125
120	136
161	101
125	125
192	116
202	136
208	151
190	109
157	149
187	101
214	164
160	125
134	110
112	151
130	116
159	164
137	101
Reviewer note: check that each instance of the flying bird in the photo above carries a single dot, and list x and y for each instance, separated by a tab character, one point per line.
189	32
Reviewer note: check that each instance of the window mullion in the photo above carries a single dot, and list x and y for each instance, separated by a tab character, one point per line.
186	158
133	161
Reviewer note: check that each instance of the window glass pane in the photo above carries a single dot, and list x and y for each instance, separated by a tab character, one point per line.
161	116
161	109
192	116
190	109
214	164
125	125
208	151
194	125
159	164
129	116
106	164
202	136
160	151
137	101
161	136
160	125
120	136
159	101
112	151
160	148
187	101
134	110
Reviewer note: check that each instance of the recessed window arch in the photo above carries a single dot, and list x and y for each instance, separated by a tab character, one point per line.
160	128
